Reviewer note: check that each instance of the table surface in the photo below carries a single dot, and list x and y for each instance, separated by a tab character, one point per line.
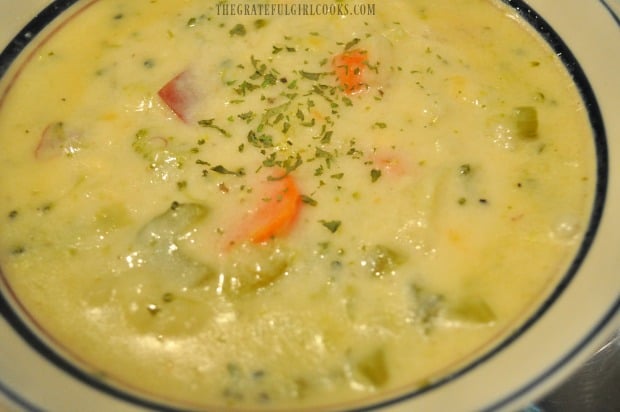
595	387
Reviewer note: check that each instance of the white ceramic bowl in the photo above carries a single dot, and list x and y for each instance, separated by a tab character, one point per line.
581	314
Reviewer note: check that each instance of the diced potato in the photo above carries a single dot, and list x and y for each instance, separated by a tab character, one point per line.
151	308
112	216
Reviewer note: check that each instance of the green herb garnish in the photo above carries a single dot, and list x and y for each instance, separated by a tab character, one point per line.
224	171
375	174
209	123
238	30
331	225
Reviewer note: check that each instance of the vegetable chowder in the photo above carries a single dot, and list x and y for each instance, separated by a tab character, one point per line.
216	208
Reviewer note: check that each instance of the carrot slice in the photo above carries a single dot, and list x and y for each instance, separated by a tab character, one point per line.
349	68
180	95
278	212
275	215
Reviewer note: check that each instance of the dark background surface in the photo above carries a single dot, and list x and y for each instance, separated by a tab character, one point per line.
593	388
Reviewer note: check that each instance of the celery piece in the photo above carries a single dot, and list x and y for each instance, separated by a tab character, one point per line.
427	307
381	260
471	310
526	122
157	245
167	227
374	368
252	267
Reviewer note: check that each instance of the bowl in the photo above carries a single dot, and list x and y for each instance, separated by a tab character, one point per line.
561	334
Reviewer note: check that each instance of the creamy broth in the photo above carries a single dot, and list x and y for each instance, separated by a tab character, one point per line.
284	211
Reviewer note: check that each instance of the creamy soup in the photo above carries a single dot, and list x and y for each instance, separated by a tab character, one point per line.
213	205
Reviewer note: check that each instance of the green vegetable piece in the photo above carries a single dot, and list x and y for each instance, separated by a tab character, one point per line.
255	267
381	261
374	368
171	224
472	310
526	122
428	306
158	245
158	150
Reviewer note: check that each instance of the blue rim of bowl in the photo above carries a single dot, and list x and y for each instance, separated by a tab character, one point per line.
543	29
611	10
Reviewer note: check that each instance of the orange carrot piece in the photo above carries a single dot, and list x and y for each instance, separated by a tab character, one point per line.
276	216
180	95
280	204
349	68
